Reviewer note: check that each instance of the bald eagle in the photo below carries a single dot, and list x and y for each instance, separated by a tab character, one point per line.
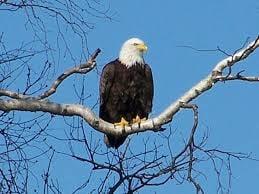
126	89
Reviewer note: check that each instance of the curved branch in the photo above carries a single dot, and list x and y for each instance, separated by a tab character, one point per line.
154	124
206	83
83	69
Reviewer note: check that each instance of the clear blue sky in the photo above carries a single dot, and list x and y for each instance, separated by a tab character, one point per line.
229	111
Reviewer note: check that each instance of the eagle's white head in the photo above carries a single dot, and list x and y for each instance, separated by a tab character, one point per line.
132	51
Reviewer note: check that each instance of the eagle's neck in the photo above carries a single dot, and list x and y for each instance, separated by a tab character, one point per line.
130	59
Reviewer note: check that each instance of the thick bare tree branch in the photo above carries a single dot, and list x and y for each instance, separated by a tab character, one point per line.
27	103
207	83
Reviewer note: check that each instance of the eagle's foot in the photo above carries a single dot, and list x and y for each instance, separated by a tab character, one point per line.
138	120
122	123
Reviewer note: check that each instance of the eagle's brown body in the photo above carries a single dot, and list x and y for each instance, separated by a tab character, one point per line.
125	92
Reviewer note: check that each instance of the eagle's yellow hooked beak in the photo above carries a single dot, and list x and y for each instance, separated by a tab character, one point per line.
142	47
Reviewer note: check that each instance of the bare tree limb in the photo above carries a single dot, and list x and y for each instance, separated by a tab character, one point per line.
206	83
238	76
191	146
154	124
83	69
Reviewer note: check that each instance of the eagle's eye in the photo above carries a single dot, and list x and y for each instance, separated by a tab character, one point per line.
135	44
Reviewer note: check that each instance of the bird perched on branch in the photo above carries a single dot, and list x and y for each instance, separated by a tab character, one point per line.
126	89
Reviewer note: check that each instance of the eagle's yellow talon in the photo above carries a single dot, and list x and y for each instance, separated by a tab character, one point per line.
122	123
138	120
